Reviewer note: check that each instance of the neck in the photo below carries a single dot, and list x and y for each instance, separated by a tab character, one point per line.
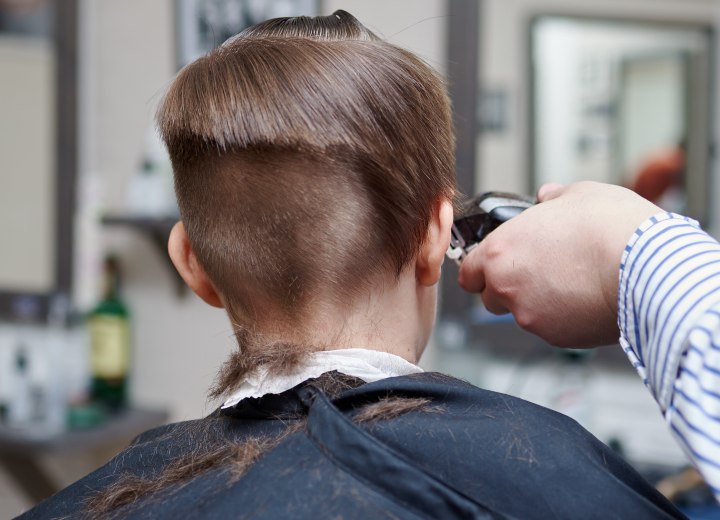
394	317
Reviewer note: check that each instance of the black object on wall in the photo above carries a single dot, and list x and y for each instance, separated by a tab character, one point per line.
462	75
66	33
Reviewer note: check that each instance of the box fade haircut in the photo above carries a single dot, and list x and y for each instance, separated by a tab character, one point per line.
308	155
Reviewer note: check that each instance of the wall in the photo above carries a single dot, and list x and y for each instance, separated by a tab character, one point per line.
417	25
128	59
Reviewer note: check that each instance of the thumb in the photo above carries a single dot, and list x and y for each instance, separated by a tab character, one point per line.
550	191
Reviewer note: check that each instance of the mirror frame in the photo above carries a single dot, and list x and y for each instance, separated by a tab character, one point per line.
65	39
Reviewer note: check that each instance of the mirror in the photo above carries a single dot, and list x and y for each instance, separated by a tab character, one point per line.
37	60
623	102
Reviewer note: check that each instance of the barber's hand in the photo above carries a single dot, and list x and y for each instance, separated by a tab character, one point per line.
555	266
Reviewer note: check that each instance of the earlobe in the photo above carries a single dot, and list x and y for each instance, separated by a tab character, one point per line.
186	263
437	241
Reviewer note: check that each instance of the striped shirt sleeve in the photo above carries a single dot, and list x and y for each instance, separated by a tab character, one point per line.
669	318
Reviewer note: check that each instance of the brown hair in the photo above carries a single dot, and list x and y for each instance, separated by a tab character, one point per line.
308	155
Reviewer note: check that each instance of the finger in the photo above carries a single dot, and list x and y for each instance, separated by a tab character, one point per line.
492	303
549	191
472	275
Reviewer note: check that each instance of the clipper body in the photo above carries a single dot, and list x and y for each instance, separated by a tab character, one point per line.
481	215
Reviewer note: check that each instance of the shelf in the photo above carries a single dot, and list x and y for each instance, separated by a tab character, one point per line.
157	229
21	452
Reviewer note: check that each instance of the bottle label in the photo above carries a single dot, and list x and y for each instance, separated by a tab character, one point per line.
110	346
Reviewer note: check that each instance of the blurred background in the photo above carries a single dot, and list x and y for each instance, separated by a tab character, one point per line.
100	341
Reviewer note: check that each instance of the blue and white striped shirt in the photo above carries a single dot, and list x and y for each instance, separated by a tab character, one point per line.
669	318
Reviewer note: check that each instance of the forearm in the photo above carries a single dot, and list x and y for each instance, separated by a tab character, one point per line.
669	317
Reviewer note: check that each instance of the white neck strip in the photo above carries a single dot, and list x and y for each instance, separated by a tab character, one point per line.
368	365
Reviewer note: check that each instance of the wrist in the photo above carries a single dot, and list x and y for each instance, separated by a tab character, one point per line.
623	236
641	237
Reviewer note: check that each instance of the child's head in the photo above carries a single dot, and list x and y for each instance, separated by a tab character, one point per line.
309	160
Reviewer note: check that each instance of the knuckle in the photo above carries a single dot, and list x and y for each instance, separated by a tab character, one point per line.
492	248
525	319
494	301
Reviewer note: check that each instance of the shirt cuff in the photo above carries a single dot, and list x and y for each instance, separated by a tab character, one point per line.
666	271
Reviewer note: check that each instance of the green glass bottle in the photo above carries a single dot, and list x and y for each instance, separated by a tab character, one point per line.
109	327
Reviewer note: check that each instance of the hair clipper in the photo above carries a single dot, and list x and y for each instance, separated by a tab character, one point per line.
481	215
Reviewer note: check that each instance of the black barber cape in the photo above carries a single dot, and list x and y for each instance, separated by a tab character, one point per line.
474	454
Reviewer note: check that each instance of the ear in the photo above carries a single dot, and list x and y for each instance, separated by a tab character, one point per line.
185	261
437	241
